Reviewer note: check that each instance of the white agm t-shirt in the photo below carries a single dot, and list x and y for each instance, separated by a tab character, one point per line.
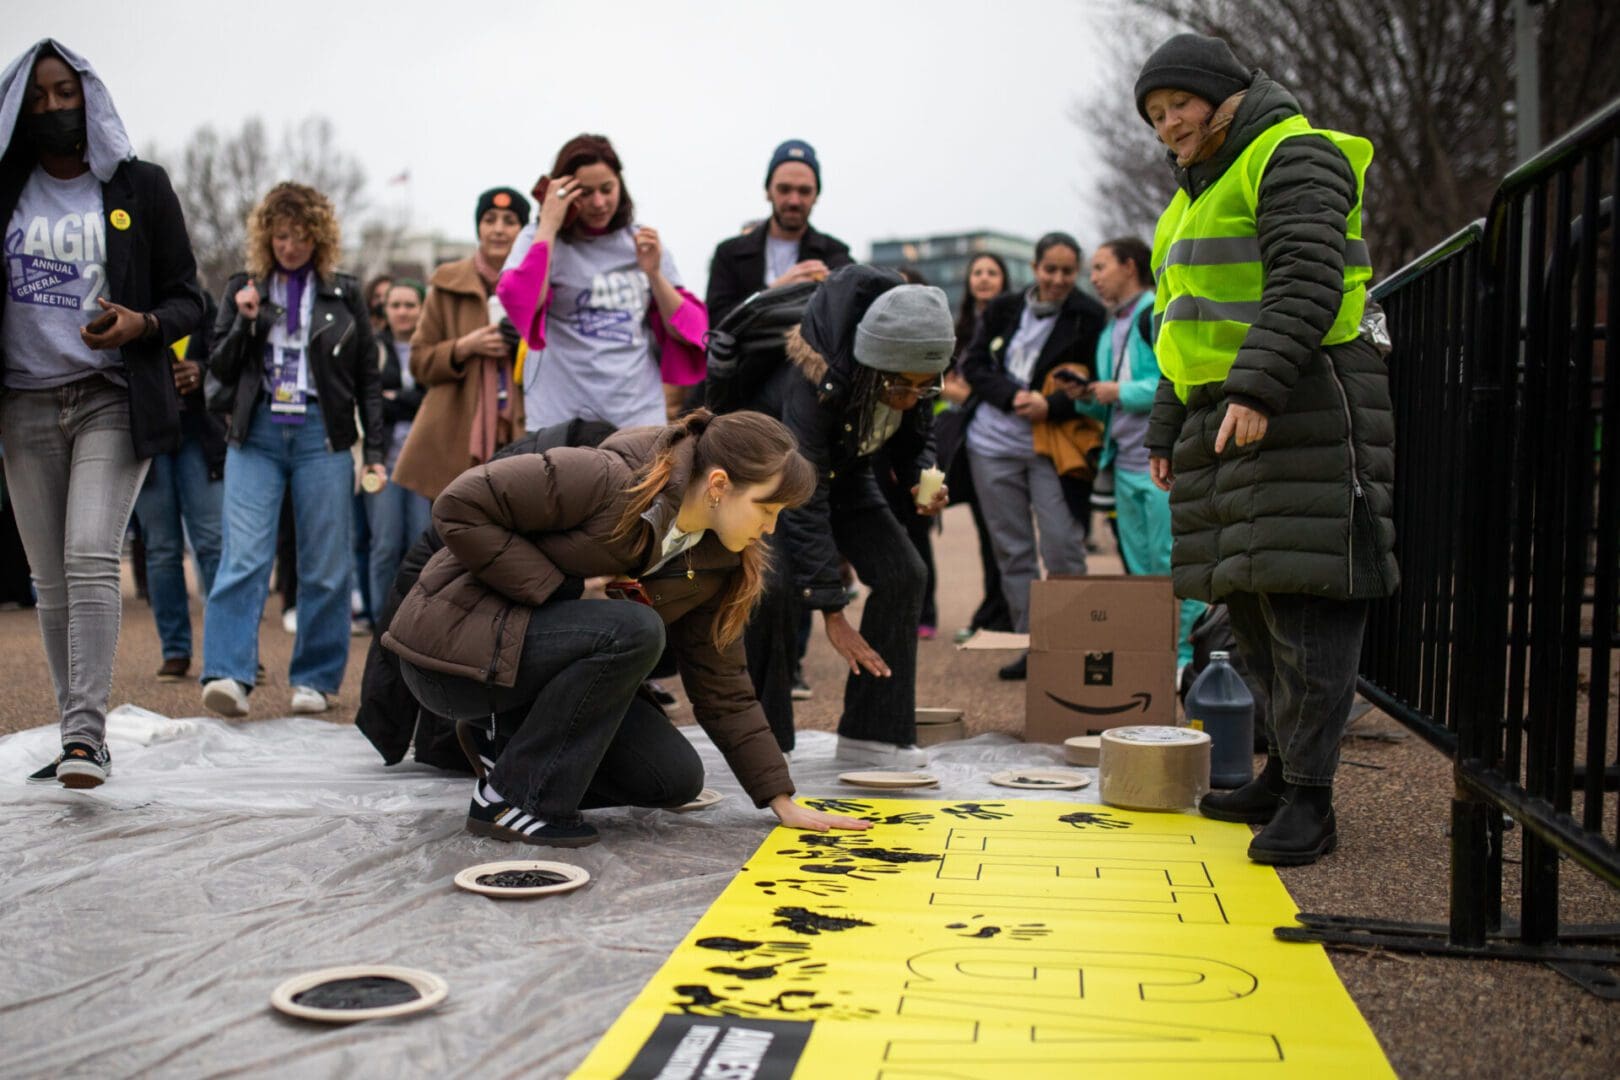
600	361
56	269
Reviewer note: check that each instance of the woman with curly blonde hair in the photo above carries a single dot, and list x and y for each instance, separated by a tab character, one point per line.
293	358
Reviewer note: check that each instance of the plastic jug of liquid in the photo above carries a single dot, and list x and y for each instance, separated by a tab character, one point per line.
1221	705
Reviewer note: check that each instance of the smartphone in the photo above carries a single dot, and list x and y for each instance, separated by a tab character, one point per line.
629	589
539	192
102	322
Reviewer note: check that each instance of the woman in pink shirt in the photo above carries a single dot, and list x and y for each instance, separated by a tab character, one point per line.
598	300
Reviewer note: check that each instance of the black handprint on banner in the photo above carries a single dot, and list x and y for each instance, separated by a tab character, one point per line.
977	811
1082	819
838	806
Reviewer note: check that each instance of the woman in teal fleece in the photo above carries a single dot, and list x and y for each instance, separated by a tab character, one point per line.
1122	397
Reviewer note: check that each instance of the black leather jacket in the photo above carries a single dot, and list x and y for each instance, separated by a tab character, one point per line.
342	360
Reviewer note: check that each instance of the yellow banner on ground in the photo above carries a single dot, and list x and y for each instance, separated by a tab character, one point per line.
1000	939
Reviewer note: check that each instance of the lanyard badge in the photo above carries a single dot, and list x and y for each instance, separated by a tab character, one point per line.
288	400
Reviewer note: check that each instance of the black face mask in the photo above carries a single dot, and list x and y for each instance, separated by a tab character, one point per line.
60	132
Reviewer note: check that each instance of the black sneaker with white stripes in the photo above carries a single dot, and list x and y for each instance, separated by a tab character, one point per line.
479	746
494	817
80	766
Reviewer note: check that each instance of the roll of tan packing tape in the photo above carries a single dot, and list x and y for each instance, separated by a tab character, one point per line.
1154	767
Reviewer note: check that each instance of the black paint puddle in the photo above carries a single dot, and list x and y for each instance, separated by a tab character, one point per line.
804	921
523	879
728	944
767	971
894	855
701	997
369	992
1082	819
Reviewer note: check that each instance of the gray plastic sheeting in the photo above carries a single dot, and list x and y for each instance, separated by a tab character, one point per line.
143	925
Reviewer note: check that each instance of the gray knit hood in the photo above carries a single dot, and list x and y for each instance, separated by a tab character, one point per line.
107	144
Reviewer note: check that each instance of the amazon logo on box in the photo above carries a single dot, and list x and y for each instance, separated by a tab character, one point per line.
1102	654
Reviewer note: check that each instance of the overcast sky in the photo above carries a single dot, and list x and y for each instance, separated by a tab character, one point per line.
928	117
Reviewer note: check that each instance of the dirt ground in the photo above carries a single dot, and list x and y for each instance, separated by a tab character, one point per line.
1434	1017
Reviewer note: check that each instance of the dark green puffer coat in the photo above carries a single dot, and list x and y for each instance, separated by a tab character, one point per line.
1308	509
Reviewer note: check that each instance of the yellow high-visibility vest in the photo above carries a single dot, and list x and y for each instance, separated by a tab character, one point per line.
1206	260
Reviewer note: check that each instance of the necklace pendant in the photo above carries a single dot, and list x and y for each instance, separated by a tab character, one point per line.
689	574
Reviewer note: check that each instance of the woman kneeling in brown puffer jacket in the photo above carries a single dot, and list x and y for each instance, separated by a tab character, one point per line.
496	625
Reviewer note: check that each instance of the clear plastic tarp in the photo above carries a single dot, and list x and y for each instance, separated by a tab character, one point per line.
145	923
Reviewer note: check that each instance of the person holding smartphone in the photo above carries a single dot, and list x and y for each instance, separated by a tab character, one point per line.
1024	340
598	300
494	631
100	280
293	364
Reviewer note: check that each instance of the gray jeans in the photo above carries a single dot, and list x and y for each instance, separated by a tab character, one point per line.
73	476
1017	496
1302	653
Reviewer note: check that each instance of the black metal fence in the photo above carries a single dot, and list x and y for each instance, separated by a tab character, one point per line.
1501	648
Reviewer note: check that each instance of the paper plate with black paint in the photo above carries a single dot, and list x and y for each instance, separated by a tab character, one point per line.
517	879
888	779
1041	779
346	995
706	798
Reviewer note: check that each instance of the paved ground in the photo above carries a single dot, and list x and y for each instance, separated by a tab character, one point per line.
1434	1017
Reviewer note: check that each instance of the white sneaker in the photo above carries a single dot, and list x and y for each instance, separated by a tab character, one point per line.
871	752
226	697
306	699
289	620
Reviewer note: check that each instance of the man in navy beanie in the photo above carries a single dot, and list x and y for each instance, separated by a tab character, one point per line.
783	250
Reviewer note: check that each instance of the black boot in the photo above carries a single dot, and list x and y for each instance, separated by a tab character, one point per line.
1303	831
1016	671
1255	803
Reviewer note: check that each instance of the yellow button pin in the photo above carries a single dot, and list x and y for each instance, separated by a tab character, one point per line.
119	219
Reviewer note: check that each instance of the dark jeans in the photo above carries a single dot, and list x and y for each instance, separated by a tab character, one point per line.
1302	654
584	739
881	709
919	530
992	613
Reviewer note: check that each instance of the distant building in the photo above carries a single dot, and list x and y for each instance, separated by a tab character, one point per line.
414	256
943	260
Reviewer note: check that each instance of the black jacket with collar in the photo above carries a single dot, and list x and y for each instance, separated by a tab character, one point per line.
811	395
342	354
150	269
737	270
406	400
1074	341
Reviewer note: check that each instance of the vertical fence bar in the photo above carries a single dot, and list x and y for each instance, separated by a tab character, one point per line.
1604	615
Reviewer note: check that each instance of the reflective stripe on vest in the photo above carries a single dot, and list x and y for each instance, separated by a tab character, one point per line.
1206	263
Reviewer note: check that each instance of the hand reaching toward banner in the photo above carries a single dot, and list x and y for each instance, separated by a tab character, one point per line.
794	816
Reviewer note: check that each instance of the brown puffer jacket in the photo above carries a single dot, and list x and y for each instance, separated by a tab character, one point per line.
515	528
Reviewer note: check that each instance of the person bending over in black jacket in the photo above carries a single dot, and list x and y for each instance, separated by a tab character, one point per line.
867	352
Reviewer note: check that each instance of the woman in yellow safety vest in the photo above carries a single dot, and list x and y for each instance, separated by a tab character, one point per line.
1272	428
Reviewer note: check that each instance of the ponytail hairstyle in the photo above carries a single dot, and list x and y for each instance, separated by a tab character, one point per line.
752	448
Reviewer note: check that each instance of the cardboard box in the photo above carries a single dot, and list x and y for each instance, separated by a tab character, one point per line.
1102	654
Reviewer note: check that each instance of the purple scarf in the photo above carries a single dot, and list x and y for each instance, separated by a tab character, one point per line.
296	281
